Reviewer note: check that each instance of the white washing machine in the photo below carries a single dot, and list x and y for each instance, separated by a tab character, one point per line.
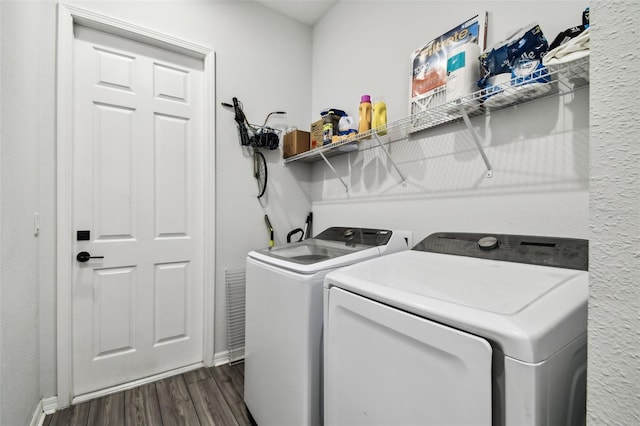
283	339
464	329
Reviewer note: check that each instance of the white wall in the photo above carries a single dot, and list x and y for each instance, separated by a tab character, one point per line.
614	302
44	47
539	151
1	215
27	112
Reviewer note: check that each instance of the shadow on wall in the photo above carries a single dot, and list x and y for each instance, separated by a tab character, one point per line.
536	147
575	104
522	122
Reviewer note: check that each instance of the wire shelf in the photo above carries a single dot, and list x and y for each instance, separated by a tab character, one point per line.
562	79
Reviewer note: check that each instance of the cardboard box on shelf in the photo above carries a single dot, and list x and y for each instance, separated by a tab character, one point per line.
294	143
316	134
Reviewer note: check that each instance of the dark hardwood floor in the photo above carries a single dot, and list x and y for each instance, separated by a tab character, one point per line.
207	396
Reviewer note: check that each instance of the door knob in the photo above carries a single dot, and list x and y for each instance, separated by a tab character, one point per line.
83	256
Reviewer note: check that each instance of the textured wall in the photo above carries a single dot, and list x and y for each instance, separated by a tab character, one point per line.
614	304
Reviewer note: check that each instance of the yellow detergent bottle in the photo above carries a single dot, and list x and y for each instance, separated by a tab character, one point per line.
379	120
364	124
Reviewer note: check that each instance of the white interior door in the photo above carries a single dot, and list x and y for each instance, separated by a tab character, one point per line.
138	168
383	366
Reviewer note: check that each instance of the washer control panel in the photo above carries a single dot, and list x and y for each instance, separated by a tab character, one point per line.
570	253
366	236
488	243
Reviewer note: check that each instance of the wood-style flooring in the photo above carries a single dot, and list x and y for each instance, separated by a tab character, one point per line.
207	396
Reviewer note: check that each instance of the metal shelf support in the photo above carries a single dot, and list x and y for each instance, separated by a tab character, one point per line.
386	151
562	79
346	188
476	139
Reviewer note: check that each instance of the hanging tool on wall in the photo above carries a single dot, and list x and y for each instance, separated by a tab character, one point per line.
294	232
256	137
251	134
304	233
307	226
270	229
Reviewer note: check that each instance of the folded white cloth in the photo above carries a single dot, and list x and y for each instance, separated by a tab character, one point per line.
575	48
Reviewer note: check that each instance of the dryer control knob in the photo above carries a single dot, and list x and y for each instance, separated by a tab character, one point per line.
488	243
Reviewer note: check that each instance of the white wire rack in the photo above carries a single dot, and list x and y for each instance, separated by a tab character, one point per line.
235	286
563	79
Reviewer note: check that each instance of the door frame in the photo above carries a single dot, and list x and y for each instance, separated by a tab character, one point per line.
68	16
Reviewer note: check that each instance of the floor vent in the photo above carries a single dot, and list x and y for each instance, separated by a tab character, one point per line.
235	286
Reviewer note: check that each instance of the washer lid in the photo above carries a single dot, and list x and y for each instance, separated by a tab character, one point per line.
311	251
332	248
530	311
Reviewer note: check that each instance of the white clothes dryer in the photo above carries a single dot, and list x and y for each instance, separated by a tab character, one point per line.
283	338
464	329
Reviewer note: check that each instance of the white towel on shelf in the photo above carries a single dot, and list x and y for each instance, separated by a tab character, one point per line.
574	49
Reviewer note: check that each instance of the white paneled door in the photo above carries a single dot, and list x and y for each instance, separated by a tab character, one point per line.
138	167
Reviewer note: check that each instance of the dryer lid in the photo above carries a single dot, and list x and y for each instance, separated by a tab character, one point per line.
528	310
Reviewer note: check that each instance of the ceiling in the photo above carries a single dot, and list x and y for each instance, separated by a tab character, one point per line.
306	11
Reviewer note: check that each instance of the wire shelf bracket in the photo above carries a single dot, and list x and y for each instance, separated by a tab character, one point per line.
476	139
346	187
393	163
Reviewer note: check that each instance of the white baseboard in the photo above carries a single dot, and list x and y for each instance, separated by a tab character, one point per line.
50	405
37	419
45	406
220	358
